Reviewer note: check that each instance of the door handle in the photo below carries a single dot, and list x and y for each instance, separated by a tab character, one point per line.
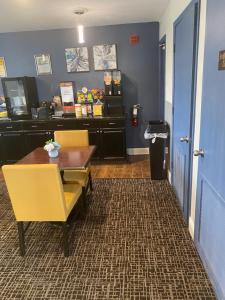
199	152
184	139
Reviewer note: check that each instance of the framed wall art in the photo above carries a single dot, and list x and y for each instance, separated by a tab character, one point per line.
105	57
3	72
43	64
77	59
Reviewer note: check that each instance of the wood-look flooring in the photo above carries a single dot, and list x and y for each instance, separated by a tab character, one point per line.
135	167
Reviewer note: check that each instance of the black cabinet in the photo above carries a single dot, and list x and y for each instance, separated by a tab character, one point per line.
18	138
37	139
12	146
113	143
94	139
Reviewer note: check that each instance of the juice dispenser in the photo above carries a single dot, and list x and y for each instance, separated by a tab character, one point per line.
108	83
117	88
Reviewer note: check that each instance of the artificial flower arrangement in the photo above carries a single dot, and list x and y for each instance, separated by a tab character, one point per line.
52	148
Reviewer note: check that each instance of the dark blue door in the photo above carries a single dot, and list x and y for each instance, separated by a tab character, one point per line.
184	78
210	209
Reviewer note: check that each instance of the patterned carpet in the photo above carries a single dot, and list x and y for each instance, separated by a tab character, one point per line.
133	244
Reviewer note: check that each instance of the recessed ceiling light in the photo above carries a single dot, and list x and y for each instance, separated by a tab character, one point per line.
80	29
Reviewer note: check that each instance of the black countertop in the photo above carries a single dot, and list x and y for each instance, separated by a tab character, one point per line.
63	119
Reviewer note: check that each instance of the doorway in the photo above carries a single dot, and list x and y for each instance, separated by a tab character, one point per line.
210	197
185	61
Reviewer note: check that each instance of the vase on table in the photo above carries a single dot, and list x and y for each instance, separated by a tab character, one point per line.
53	153
52	148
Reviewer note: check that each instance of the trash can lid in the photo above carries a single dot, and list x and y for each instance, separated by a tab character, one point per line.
158	126
157	122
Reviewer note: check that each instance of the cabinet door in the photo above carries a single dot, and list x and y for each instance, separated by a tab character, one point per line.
13	146
94	139
113	143
37	139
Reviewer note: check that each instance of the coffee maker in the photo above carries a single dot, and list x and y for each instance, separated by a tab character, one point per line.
44	111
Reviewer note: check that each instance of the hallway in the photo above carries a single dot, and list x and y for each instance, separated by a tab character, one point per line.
133	244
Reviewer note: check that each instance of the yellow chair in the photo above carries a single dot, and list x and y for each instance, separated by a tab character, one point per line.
37	194
72	138
75	138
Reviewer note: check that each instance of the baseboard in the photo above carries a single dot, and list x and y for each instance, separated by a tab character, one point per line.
137	151
191	227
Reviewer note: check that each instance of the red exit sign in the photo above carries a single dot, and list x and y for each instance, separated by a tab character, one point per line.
134	39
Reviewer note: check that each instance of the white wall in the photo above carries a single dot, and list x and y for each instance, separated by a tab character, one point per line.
174	9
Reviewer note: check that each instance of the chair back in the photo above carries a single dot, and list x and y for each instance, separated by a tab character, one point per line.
72	138
36	192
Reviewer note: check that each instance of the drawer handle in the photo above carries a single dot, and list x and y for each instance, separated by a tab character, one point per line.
59	125
113	131
9	127
112	123
34	126
86	124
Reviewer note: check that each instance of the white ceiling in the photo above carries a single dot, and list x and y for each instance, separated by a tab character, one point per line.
23	15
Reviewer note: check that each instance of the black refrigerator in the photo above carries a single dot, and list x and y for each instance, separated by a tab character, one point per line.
20	96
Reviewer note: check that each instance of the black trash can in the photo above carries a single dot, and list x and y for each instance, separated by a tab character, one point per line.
158	143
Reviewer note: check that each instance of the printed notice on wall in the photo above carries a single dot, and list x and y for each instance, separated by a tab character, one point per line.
2	67
67	94
221	65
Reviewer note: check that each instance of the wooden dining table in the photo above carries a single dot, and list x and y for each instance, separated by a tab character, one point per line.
69	158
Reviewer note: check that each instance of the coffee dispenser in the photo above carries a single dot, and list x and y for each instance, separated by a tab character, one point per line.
117	88
108	83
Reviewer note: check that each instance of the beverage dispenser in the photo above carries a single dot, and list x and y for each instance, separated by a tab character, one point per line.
108	83
117	88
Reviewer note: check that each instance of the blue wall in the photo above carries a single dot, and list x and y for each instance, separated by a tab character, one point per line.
139	64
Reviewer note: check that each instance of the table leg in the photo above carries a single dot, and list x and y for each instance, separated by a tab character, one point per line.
62	176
